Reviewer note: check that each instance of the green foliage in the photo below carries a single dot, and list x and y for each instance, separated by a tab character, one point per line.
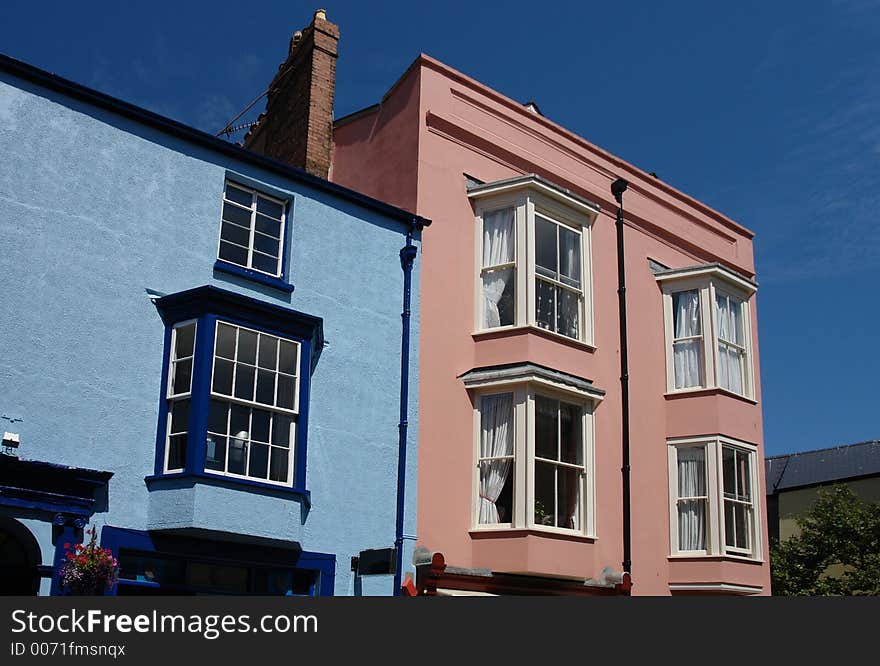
837	551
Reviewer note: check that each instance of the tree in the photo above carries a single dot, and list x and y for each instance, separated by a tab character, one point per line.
837	551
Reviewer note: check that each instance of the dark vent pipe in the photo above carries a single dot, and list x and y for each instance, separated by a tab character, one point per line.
618	187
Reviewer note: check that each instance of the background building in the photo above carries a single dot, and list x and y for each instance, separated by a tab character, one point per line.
521	434
794	480
201	354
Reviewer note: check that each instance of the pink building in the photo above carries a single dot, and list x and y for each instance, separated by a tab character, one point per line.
521	437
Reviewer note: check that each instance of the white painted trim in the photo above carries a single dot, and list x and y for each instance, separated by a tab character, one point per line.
530	182
705	272
715	587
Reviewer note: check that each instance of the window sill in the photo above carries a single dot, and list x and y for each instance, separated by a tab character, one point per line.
155	481
700	391
255	276
513	532
715	558
510	331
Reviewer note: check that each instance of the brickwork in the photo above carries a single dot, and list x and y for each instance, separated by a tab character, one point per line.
297	126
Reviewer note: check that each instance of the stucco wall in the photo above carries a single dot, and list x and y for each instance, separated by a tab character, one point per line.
468	129
94	209
796	503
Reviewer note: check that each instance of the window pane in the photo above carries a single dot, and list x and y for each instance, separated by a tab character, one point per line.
215	452
225	341
244	381
569	498
218	416
222	376
729	471
286	391
235	234
259	462
182	377
247	346
288	358
262	262
279	465
692	471
237	455
741	515
572	443
238	195
686	314
266	244
233	253
744	482
568	313
266	387
545	494
281	426
569	257
687	358
545	247
239	421
185	340
180	416
269	208
692	524
498	297
546	428
492	473
545	304
268	352
498	237
236	215
177	451
268	226
729	524
260	425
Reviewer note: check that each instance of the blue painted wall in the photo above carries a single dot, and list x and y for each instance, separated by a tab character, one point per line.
94	209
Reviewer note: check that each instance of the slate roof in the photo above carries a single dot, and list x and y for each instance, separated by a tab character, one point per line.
809	468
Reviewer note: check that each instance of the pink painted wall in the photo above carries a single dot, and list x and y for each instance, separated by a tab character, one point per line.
436	125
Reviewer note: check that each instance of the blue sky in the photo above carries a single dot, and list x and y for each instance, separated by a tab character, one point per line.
767	111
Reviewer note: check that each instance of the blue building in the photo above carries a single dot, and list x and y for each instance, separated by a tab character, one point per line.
201	354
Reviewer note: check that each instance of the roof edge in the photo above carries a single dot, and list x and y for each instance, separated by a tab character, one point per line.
175	128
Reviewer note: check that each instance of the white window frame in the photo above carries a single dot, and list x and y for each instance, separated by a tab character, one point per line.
707	283
715	533
524	392
171	397
253	404
528	198
255	195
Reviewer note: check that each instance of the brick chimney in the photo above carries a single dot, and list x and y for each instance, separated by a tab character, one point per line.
297	126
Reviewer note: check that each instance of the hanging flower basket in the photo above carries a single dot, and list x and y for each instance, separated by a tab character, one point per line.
88	569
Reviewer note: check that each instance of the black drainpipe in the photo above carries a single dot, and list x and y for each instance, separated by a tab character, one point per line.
618	187
407	258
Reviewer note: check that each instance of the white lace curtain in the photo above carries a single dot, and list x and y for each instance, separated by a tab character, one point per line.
730	369
687	352
692	511
498	249
496	453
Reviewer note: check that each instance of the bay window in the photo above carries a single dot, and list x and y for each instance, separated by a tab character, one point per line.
533	257
237	383
708	330
713	491
533	449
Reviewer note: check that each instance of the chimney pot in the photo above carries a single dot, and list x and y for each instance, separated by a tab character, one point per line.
321	14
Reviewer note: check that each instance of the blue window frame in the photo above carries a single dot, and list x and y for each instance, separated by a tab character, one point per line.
154	563
235	389
254	232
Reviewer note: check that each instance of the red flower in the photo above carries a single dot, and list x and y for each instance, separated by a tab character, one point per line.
67	546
